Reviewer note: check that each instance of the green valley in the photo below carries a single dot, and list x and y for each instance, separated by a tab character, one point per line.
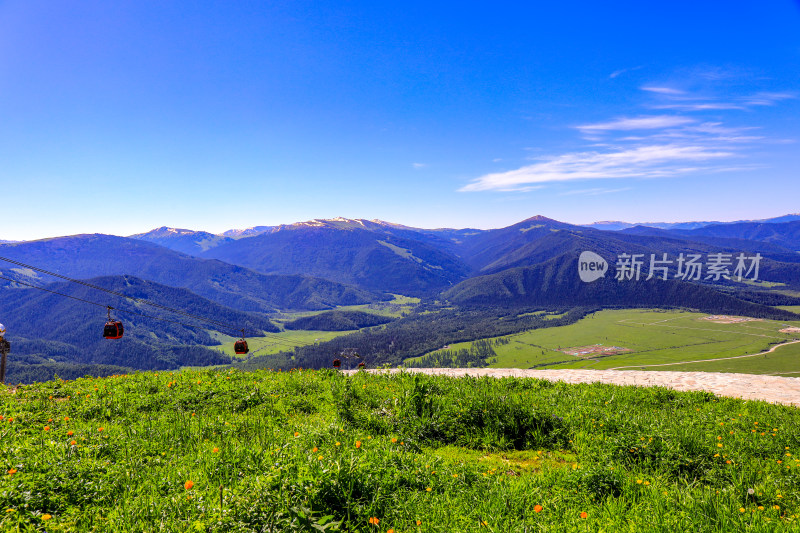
644	337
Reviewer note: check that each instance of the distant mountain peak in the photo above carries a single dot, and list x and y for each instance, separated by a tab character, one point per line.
616	225
336	222
541	219
165	231
182	240
247	232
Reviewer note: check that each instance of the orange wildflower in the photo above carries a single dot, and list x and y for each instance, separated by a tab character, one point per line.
73	442
188	485
584	514
215	450
358	444
537	508
12	471
69	433
47	428
373	521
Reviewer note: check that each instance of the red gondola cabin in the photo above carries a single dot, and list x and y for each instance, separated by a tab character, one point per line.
240	347
337	363
113	329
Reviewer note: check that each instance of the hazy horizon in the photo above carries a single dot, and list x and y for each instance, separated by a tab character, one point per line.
221	232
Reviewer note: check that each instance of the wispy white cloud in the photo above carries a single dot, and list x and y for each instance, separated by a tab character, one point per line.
620	72
418	166
677	141
706	106
664	90
636	123
762	99
653	161
681	100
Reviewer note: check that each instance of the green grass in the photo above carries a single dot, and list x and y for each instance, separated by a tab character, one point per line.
277	342
784	361
227	451
655	336
394	308
792	308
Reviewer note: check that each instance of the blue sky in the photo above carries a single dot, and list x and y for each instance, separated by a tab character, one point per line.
118	117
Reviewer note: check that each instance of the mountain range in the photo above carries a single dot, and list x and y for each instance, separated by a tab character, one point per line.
327	263
615	225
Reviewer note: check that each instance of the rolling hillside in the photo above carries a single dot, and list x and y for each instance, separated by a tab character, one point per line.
786	234
556	282
367	255
86	256
46	329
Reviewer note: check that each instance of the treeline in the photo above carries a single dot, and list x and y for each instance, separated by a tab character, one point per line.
427	329
30	369
556	281
761	296
62	330
126	352
478	355
338	321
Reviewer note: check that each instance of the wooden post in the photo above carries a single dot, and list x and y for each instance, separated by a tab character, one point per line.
4	348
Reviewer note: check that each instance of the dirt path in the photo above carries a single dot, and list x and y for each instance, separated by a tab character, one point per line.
772	389
709	360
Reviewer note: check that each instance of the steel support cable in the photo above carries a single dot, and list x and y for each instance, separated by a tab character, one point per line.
146	302
278	340
121	295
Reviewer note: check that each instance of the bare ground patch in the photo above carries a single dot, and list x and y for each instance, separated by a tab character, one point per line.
727	319
595	350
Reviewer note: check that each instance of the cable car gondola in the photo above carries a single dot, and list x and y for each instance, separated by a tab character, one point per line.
240	346
337	364
113	328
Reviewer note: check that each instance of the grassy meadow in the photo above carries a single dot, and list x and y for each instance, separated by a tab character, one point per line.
230	451
287	339
654	337
394	308
277	342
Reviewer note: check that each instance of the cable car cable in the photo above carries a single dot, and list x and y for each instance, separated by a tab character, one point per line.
121	295
276	339
146	302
